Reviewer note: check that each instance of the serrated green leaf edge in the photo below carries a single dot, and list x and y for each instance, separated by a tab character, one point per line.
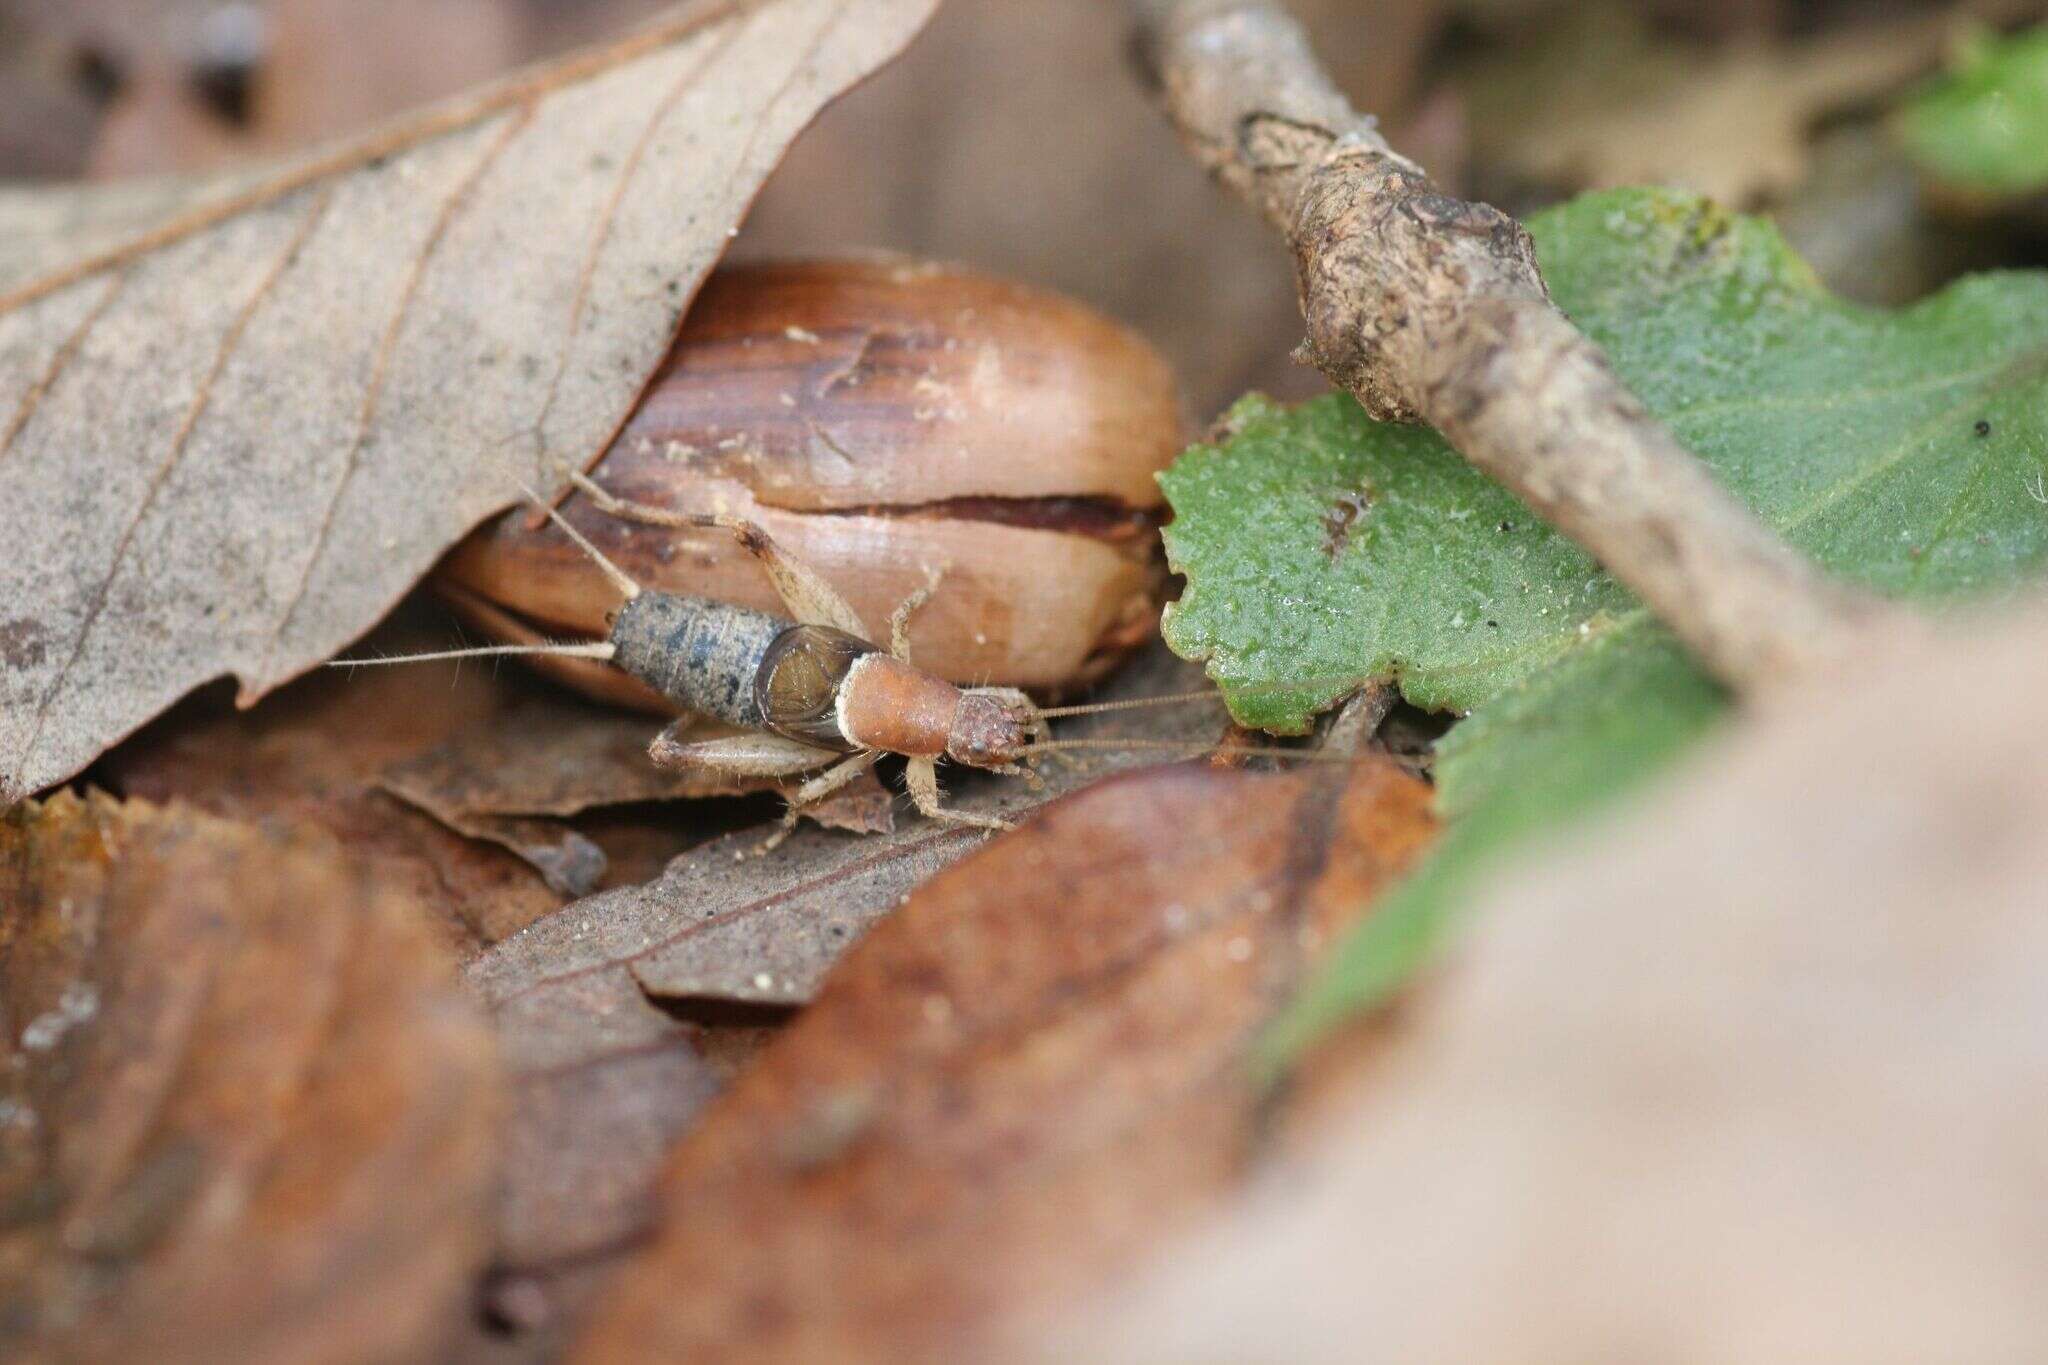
1852	430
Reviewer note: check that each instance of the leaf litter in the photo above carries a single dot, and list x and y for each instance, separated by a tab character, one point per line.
463	301
322	751
547	756
621	1015
1018	1079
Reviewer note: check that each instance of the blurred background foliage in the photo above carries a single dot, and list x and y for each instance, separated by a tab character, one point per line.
1013	136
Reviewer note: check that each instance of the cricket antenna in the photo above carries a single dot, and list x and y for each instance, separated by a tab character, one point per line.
620	580
1186	748
559	649
1209	694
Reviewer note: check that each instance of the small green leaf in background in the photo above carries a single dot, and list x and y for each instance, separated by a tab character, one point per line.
1905	449
1981	128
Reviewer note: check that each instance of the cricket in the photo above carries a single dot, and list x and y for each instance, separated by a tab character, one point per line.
820	696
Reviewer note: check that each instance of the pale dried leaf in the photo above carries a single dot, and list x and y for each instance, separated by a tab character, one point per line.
232	440
1758	1074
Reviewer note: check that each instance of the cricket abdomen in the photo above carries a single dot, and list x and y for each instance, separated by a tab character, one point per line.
700	654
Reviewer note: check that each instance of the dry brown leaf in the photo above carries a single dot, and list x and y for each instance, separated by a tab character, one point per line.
1759	1073
1030	1071
232	440
603	1081
722	925
248	1113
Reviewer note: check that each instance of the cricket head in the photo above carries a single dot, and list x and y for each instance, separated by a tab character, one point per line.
992	726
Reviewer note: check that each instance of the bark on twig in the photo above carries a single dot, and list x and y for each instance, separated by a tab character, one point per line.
1426	306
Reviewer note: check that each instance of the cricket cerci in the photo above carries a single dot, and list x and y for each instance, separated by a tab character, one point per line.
834	443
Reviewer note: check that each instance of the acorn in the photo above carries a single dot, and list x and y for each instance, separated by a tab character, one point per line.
882	419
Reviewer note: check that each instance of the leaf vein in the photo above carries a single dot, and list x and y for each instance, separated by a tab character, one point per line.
230	341
608	217
373	393
25	411
450	117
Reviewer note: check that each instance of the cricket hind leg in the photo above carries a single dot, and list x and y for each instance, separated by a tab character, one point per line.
764	756
810	599
921	776
749	755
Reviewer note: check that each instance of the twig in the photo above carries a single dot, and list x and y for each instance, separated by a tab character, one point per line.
1425	306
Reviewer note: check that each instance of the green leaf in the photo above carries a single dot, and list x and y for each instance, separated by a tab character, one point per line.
1904	449
1982	127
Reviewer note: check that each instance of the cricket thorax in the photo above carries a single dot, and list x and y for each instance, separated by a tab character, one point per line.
887	704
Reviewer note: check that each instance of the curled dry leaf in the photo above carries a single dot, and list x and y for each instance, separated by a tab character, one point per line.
1759	1073
604	1078
882	418
234	436
248	1114
1023	1076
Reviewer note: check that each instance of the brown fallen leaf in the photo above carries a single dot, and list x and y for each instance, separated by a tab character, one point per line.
1756	1073
720	924
248	1113
234	438
1026	1074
